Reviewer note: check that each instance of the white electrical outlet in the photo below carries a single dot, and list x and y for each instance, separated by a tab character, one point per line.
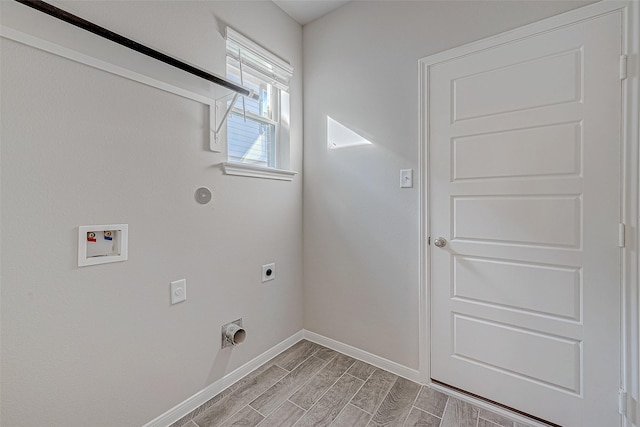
178	291
268	272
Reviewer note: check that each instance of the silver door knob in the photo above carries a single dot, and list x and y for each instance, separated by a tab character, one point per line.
440	242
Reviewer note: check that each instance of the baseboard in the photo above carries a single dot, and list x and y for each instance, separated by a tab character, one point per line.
372	359
201	397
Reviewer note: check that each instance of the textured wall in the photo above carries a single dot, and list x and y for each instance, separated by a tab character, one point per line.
361	231
101	345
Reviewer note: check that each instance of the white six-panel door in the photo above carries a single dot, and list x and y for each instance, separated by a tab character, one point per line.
524	186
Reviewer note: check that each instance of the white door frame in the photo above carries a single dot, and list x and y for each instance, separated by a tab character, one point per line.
630	185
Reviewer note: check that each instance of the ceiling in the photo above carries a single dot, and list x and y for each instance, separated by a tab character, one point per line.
305	11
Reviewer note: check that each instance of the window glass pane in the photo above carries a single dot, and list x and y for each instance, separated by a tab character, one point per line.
262	137
251	141
262	106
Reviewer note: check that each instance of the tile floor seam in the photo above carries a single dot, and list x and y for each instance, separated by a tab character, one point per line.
384	395
331	358
430	413
444	411
424	410
265	416
269	388
320	398
372	372
294	403
297	366
224	420
310	378
491	423
305	359
375	368
361	408
248	404
404	423
334	420
417	395
297	389
258	425
296	423
354	394
231	393
334	383
414	401
371	415
418	409
382	399
327	391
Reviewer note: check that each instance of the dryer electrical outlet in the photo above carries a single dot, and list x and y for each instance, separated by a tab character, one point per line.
268	272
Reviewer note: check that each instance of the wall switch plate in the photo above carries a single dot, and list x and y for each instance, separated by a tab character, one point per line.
178	291
268	272
406	178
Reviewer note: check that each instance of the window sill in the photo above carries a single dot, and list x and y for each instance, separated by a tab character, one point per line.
241	169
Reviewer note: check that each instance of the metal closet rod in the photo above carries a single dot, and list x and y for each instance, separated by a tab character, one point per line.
131	44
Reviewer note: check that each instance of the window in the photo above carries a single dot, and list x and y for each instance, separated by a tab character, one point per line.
258	125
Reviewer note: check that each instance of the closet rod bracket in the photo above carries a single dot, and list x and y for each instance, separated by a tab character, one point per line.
227	111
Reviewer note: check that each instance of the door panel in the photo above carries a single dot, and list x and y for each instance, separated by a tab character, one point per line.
515	351
528	220
519	153
547	80
524	184
540	289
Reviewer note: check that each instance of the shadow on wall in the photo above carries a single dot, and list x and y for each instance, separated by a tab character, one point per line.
220	365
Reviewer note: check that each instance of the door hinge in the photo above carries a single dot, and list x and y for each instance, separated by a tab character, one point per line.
621	235
622	402
623	67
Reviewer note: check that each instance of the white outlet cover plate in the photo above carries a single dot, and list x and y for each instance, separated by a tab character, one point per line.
178	291
265	268
406	178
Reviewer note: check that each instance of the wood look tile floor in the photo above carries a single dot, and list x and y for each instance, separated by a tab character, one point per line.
311	385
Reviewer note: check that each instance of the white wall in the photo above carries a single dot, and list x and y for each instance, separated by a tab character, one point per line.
101	345
361	231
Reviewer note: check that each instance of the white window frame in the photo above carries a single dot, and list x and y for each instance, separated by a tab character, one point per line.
258	61
274	120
